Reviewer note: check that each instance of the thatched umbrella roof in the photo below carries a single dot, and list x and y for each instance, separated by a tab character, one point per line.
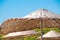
50	34
22	33
26	24
31	21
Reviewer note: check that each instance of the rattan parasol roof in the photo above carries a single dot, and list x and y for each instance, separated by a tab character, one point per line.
31	21
22	33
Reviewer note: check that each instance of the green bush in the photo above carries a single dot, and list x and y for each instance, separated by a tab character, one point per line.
0	37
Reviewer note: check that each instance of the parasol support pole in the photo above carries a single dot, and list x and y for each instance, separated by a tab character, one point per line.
41	28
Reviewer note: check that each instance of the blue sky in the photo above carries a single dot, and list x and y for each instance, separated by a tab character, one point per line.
20	8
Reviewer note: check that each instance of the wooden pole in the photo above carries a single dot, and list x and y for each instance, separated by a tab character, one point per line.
41	28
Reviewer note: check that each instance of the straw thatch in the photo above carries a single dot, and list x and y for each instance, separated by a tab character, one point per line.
19	35
0	29
51	35
53	38
31	21
22	33
13	25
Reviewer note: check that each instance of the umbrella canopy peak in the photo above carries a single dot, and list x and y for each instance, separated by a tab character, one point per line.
42	13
